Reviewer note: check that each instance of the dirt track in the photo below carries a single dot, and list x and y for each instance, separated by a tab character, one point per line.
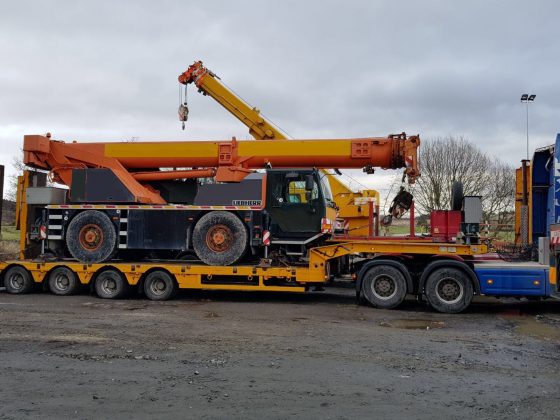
233	355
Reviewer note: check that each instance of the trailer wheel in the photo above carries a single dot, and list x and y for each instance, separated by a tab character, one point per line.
111	284
448	290
159	285
91	237
219	238
18	280
63	281
384	286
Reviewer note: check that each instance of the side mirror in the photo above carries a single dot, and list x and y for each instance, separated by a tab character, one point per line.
309	182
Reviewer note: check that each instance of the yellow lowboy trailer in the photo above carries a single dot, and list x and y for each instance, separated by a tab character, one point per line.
390	269
385	269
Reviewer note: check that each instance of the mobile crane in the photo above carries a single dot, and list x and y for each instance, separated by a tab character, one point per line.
141	210
353	206
391	269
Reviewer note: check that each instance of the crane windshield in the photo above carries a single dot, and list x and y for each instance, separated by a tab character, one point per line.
326	188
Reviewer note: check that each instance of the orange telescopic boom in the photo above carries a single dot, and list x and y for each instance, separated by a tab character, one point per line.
136	164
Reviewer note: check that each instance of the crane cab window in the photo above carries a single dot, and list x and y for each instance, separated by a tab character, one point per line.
296	192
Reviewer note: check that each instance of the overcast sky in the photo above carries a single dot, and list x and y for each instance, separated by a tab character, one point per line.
107	70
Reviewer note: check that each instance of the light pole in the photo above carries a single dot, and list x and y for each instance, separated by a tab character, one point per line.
527	98
525	178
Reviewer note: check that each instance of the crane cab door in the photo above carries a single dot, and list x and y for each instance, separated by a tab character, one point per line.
295	203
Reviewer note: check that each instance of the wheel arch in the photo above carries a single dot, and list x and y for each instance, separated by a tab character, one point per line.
452	263
385	260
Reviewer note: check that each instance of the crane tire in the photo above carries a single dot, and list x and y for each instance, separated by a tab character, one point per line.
17	280
111	284
384	286
63	281
159	285
220	238
91	237
449	290
457	196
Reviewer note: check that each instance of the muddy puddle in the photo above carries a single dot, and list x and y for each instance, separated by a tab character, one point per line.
413	324
539	327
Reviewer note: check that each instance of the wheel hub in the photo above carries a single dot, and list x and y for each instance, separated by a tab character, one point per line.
62	282
449	290
16	281
158	287
109	285
219	238
384	287
91	237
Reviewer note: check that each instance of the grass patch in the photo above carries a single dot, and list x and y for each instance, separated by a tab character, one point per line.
9	233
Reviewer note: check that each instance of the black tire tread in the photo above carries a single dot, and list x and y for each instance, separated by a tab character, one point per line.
457	196
394	273
170	283
74	287
442	306
122	284
27	279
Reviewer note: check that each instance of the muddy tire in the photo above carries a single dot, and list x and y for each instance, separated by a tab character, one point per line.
159	285
91	237
448	290
63	281
17	280
220	238
111	284
384	286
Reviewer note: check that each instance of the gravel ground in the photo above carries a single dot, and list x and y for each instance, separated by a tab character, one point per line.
249	355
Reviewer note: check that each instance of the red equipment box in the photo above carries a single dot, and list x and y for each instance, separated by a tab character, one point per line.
445	224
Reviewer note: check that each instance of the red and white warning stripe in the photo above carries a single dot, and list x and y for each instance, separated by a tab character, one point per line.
43	232
266	238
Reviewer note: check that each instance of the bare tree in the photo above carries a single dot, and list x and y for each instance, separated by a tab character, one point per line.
446	160
499	197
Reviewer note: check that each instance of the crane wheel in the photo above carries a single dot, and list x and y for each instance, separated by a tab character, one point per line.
384	286
220	238
63	281
448	290
91	237
17	280
159	285
111	284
